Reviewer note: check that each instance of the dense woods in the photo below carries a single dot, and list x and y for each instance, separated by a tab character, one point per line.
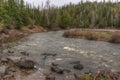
16	13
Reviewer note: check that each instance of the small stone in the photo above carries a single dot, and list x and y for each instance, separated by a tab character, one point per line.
24	53
57	70
54	64
78	66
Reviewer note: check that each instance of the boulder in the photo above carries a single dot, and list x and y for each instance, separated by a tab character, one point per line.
78	66
57	69
26	63
22	62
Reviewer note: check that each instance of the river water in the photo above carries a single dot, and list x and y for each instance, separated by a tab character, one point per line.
94	55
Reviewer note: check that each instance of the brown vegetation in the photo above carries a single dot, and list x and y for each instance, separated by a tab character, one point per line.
113	37
100	75
8	35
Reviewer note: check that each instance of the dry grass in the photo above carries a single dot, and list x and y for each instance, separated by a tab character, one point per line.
9	35
100	75
109	36
115	38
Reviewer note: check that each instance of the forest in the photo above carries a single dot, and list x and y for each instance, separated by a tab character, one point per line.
17	13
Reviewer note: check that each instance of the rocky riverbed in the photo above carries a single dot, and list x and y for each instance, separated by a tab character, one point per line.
59	58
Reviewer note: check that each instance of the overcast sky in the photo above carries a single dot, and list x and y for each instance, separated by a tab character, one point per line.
57	2
52	2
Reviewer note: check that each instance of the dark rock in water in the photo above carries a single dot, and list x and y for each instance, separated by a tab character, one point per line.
49	54
26	64
56	67
57	70
54	64
24	53
50	77
88	72
78	66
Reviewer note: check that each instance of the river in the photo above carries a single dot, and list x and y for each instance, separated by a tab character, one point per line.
94	55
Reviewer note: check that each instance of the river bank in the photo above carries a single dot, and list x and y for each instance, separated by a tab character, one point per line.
11	35
107	35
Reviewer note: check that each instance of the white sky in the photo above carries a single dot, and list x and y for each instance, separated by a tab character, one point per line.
58	2
52	2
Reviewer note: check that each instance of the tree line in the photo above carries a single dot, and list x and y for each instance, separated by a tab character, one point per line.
16	14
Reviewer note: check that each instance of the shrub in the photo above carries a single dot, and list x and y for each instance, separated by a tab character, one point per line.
115	38
90	36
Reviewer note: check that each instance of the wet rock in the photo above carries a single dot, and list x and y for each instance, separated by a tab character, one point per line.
24	53
49	54
57	69
89	72
54	64
26	64
22	62
78	66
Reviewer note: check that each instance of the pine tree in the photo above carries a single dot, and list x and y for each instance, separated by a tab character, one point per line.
65	19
